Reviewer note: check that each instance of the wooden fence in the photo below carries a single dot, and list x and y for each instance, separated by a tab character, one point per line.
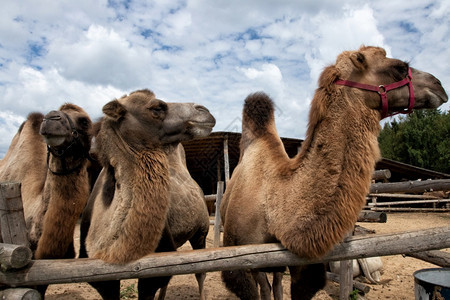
23	272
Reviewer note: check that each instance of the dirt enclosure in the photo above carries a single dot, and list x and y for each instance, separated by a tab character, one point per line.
397	280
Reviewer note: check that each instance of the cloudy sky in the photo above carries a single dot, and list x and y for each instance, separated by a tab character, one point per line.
211	52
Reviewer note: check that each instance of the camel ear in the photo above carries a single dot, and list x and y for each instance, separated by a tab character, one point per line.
114	110
329	75
359	60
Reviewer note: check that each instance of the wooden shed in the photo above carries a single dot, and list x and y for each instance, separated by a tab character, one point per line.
213	158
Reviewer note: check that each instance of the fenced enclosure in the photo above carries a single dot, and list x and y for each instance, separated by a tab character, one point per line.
19	270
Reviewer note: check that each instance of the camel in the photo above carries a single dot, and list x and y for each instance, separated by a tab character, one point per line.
49	156
188	217
144	199
310	202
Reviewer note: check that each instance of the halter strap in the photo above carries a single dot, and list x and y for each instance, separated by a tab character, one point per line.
382	90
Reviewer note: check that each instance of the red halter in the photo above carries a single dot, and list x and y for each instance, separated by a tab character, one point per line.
382	90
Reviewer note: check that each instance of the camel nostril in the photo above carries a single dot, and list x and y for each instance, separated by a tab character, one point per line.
53	118
201	108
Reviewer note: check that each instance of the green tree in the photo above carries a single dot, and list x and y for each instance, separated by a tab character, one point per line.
421	139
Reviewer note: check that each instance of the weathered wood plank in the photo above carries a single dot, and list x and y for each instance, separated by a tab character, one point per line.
14	256
217	221
406	209
372	216
359	285
42	272
381	174
410	202
403	196
20	294
346	276
439	258
411	186
12	220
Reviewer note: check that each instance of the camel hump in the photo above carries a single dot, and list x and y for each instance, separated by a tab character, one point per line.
35	120
258	113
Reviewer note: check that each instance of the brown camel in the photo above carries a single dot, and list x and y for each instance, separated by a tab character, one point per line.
144	196
188	217
309	202
48	156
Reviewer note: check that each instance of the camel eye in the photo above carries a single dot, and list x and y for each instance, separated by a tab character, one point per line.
158	108
83	122
402	69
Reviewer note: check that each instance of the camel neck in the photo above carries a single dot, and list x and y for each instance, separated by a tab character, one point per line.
331	176
65	198
344	133
140	200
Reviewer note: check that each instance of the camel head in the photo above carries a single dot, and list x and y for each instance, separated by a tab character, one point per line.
370	66
144	121
70	126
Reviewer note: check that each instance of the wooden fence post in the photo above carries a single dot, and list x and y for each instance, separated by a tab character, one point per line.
20	294
14	256
217	220
345	277
15	253
12	220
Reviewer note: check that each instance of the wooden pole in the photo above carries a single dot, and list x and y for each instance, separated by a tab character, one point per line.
411	186
46	271
345	277
403	196
372	216
420	209
14	256
12	220
359	285
381	174
226	159
410	202
20	294
217	220
436	257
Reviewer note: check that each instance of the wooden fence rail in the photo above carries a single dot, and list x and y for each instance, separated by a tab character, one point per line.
40	272
411	186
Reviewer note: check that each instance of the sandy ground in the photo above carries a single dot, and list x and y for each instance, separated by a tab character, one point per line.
397	281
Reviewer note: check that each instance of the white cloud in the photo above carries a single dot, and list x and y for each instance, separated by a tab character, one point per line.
102	56
9	123
211	52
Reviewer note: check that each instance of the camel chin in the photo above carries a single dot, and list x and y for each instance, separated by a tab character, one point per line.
54	140
201	129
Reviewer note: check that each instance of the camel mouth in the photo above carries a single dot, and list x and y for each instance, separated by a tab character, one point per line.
202	124
54	140
436	99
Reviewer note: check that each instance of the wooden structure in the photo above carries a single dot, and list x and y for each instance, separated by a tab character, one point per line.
213	159
39	272
43	272
21	271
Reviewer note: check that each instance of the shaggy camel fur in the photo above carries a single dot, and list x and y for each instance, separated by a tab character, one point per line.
309	202
131	211
188	216
48	156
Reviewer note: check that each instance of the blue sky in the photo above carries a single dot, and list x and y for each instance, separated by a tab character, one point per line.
210	52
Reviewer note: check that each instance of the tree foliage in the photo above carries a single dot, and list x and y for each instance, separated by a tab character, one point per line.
421	139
